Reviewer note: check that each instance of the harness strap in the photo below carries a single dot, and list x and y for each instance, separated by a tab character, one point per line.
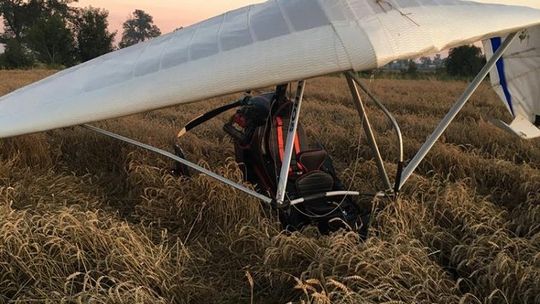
297	149
281	144
295	165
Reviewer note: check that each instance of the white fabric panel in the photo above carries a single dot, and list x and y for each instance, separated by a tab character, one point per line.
521	127
205	42
267	21
304	14
235	32
177	52
150	58
516	79
256	46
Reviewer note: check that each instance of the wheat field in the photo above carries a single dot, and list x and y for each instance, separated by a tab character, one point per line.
86	219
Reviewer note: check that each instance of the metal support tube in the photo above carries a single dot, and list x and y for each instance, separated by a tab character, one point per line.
443	125
183	161
324	195
395	125
386	112
369	131
289	147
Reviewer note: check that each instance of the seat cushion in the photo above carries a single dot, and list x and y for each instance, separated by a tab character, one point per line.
313	183
312	160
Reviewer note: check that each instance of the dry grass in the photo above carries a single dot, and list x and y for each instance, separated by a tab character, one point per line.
86	219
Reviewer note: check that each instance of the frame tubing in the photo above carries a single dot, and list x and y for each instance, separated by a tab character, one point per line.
386	112
369	131
443	125
183	161
289	147
327	194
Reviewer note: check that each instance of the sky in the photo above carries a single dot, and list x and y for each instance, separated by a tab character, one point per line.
168	14
531	3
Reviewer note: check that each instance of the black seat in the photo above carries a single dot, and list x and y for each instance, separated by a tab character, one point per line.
312	160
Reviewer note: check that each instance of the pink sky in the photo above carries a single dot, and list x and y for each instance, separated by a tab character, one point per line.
168	14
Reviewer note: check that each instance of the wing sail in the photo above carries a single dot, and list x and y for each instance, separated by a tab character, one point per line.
256	46
516	79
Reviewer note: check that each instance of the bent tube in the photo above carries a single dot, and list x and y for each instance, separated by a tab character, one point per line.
323	195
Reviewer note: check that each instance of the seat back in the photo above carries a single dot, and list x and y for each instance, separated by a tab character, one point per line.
306	174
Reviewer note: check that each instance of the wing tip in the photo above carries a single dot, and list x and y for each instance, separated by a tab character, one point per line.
521	127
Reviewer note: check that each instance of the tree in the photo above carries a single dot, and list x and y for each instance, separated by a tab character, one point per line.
15	56
24	17
140	27
21	15
52	41
16	15
465	61
412	69
438	61
93	37
426	62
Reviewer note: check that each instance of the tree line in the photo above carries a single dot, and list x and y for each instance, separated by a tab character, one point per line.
56	34
462	63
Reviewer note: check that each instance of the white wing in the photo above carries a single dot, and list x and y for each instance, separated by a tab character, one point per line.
256	46
516	79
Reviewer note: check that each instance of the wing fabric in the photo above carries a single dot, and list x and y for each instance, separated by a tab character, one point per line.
516	79
256	46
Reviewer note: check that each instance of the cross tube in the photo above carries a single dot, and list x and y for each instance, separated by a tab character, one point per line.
443	125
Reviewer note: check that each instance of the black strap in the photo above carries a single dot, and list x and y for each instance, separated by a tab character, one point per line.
209	115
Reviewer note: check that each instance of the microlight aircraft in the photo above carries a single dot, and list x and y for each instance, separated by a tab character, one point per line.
285	41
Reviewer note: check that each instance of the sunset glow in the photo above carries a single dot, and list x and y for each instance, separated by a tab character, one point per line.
168	14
